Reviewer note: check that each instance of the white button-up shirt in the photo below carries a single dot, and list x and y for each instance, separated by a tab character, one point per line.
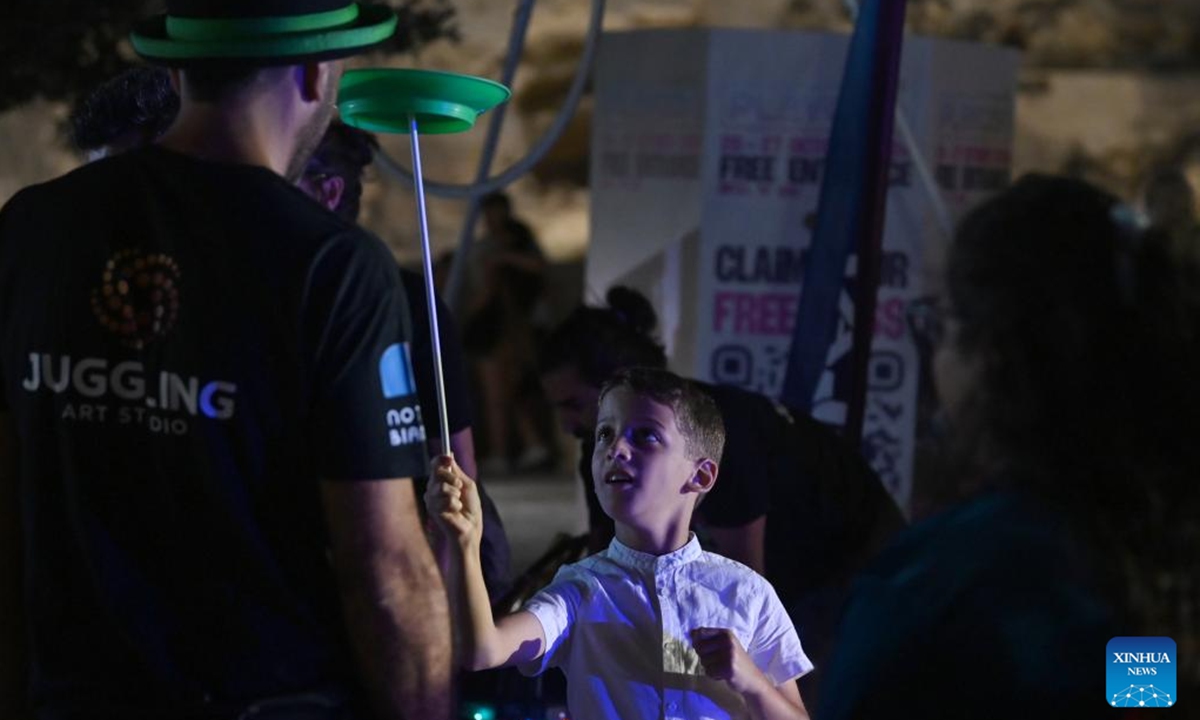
619	625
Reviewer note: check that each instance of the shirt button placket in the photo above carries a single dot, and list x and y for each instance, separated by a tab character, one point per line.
664	618
664	625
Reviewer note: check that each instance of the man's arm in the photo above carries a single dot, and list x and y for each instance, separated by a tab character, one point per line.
452	499
13	659
394	600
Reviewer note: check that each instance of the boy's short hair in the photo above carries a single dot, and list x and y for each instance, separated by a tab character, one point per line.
696	413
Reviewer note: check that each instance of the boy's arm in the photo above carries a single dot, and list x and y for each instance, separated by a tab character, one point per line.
453	500
723	658
777	702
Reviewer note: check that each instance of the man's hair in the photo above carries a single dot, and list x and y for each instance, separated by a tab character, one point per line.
139	100
214	81
696	413
344	151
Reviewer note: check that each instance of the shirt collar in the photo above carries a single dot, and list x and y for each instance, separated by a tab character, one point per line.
627	556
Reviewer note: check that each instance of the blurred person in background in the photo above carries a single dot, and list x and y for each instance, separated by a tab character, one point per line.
1067	374
507	284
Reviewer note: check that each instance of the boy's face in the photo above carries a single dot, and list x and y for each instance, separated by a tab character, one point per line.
643	473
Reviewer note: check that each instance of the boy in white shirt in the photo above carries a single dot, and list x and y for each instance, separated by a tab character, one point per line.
653	626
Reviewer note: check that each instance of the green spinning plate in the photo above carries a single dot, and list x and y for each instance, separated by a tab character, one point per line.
383	99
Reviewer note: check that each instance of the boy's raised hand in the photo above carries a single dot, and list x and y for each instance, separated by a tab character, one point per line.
723	658
453	501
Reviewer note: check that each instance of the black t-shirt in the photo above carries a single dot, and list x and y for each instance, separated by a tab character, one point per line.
185	348
821	499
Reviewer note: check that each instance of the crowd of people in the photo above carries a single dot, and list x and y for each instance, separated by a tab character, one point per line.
223	495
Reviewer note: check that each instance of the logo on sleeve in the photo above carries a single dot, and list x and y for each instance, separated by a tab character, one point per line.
395	372
404	424
1141	672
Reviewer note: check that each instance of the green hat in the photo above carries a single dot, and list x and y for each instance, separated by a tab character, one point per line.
261	32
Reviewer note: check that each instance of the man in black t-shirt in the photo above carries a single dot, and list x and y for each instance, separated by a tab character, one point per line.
334	178
205	397
134	108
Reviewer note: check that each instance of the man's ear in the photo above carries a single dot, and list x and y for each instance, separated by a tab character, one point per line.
173	78
704	477
329	191
312	81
